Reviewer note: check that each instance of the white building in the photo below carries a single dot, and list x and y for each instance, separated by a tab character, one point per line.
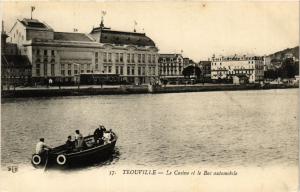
170	65
227	67
62	56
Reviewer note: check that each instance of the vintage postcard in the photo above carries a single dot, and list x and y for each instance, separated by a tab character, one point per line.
149	96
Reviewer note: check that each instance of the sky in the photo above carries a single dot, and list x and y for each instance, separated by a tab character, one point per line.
198	28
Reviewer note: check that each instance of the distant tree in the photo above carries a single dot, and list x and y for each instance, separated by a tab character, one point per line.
271	74
288	68
198	72
188	71
296	68
192	70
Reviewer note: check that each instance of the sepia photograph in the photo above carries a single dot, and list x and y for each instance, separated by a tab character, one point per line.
149	96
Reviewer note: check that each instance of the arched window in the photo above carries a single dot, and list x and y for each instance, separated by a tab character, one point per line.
45	66
52	69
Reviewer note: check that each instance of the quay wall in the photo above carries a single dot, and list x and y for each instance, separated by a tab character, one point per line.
176	89
132	90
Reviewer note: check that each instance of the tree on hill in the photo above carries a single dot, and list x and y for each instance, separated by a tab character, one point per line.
289	68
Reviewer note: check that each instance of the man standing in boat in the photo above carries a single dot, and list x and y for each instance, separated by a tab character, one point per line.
98	134
78	139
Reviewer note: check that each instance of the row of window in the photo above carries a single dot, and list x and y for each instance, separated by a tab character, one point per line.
52	69
170	65
171	60
107	57
235	72
172	72
130	58
237	58
249	62
237	67
45	52
44	61
130	70
107	69
69	66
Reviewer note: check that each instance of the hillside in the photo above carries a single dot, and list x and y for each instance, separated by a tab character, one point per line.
280	54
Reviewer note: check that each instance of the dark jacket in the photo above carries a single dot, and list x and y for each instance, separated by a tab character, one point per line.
98	134
69	145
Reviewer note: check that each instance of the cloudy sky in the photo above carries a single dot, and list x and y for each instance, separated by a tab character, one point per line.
200	29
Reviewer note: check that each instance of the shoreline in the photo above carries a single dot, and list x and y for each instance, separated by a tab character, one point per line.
142	89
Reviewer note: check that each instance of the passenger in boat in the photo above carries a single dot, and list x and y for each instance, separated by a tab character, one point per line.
69	144
78	140
111	135
107	137
103	128
98	134
42	147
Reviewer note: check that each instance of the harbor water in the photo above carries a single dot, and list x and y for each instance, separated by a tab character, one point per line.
244	128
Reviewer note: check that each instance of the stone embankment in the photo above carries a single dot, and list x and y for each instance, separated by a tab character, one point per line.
142	89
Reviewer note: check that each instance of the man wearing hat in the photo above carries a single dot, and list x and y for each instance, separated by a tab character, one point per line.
98	134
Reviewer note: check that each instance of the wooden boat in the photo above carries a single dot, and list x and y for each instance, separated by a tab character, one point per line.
61	156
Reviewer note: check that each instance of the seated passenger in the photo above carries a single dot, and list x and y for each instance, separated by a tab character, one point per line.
69	144
107	137
41	147
98	134
111	135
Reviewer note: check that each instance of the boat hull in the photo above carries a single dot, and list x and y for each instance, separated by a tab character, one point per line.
60	158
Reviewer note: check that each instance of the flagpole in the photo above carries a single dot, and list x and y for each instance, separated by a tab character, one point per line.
32	8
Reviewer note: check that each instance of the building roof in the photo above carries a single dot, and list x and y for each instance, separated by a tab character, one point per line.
64	36
106	35
205	63
237	57
15	61
35	24
168	56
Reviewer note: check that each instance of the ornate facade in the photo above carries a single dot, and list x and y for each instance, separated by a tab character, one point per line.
170	65
227	67
64	56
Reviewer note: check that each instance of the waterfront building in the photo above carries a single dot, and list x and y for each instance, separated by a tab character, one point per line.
205	67
63	56
15	68
132	55
170	66
224	68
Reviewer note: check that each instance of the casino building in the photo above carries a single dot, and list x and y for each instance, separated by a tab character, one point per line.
64	56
